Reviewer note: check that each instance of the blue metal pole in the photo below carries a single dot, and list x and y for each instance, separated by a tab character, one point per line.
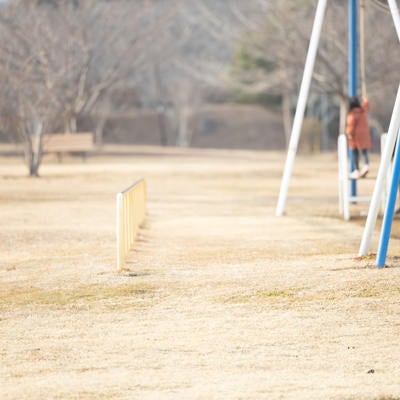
353	68
353	48
389	211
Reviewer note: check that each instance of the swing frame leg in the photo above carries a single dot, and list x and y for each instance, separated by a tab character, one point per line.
380	180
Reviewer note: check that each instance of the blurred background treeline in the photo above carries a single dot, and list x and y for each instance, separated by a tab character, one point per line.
203	73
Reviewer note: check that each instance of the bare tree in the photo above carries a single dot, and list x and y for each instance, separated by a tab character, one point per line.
26	96
273	55
206	35
58	61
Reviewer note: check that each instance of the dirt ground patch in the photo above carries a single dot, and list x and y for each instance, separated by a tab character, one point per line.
220	299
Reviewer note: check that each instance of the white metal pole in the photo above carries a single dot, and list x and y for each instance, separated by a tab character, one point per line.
388	175
380	180
395	15
301	105
344	170
340	175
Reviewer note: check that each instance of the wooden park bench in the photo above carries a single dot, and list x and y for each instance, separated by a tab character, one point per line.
72	143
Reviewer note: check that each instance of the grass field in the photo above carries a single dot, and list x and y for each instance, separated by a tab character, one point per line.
219	299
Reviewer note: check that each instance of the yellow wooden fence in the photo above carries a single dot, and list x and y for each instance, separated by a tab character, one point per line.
131	210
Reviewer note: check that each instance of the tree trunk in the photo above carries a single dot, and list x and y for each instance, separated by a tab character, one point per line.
71	125
161	126
29	156
287	117
183	136
34	167
99	131
35	149
343	115
325	121
160	108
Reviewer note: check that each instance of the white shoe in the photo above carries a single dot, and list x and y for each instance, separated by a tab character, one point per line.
364	171
355	174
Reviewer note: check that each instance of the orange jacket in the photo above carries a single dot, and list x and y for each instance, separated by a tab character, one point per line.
357	128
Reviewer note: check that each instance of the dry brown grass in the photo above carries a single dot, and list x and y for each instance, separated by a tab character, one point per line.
219	299
87	295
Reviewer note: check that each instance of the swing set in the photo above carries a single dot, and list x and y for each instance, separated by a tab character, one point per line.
392	135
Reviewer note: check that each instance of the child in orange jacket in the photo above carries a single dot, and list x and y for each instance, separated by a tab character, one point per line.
358	135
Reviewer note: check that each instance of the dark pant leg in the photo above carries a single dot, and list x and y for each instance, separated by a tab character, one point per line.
356	158
365	156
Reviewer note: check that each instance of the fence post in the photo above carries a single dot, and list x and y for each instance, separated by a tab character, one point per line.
131	209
